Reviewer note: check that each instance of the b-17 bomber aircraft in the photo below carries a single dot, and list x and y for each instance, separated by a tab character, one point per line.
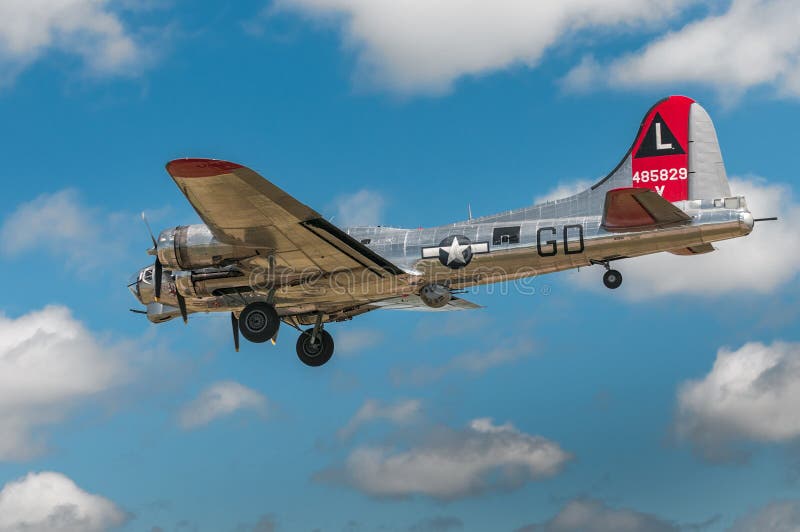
267	259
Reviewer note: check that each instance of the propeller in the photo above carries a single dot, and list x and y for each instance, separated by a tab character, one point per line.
158	269
235	326
152	236
182	306
157	279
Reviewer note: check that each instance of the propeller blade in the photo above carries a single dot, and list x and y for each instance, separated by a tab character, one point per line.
137	311
152	236
235	325
157	279
182	306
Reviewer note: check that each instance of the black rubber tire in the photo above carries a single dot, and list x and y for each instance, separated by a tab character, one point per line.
612	279
259	322
314	355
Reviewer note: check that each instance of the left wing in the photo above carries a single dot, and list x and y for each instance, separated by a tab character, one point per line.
242	208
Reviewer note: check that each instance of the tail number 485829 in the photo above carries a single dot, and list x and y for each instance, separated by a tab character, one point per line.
664	174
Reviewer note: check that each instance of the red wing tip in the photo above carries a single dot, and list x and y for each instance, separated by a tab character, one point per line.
200	167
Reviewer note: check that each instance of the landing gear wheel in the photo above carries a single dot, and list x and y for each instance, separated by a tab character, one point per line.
316	353
259	322
612	279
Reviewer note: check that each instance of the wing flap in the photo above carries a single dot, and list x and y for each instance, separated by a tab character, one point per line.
634	209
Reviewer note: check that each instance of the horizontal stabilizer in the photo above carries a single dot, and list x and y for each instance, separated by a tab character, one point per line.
635	209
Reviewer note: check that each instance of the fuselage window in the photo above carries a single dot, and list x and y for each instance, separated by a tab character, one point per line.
505	235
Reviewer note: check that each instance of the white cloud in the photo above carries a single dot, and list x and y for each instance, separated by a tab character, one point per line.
590	515
219	400
423	46
473	362
372	410
49	364
748	264
779	516
351	341
754	43
751	393
56	221
86	28
62	225
452	464
47	501
564	190
364	207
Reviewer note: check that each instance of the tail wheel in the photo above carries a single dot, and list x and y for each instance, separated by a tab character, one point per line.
314	352
612	279
259	322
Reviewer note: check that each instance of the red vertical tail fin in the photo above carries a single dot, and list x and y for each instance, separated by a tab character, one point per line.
660	155
677	153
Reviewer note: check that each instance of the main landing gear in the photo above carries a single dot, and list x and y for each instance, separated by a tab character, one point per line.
612	278
259	322
315	345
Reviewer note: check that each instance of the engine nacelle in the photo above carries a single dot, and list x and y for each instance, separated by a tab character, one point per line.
191	247
435	295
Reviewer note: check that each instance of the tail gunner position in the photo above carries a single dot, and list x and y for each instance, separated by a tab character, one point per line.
266	259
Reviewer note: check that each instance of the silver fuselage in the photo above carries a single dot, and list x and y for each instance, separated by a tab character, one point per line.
523	243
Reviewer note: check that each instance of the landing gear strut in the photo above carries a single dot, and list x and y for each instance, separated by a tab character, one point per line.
315	345
259	322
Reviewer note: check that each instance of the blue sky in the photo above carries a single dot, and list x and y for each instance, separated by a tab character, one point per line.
669	403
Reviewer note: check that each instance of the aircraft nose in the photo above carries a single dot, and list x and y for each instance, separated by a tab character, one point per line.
133	286
141	285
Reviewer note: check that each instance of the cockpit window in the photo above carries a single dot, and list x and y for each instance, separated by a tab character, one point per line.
731	203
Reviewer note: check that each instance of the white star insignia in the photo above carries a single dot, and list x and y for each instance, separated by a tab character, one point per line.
455	252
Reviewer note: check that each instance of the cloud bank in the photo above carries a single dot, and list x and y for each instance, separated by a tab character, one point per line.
364	207
49	365
65	227
474	362
779	516
591	515
452	464
422	46
750	394
48	501
754	43
88	29
372	410
219	400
